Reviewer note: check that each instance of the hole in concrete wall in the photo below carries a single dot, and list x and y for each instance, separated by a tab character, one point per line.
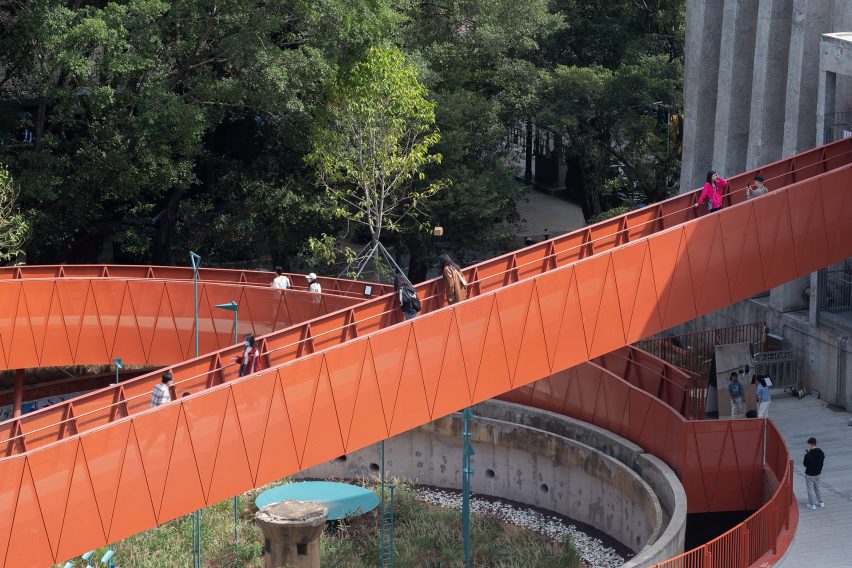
302	549
374	467
544	488
340	459
489	473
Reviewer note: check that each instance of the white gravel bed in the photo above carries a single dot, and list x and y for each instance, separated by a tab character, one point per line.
593	552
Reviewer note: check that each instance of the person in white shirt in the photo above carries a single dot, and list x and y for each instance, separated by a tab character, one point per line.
313	285
281	281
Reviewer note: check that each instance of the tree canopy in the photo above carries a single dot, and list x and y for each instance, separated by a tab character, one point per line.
374	139
138	129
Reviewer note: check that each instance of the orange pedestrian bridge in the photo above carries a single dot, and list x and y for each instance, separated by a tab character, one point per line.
342	371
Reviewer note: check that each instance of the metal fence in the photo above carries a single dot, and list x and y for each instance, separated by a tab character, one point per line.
694	352
838	126
834	291
783	367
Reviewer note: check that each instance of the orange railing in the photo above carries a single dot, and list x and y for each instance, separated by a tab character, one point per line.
359	375
765	535
647	228
335	286
632	409
694	351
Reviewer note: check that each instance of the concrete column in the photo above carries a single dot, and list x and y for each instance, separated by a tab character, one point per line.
18	400
736	61
769	83
811	19
701	74
291	531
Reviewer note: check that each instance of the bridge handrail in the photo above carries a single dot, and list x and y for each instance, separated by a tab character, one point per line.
298	340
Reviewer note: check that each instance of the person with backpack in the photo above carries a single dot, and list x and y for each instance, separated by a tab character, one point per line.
313	284
409	303
249	361
454	282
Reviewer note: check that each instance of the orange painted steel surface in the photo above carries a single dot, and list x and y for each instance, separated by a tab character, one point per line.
727	472
83	321
99	469
631	393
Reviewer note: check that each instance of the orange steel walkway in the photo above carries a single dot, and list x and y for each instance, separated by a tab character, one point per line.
102	467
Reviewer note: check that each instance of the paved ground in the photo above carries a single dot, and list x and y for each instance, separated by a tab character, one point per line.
824	536
542	212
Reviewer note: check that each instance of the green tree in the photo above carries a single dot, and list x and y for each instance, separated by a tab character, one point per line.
127	101
617	82
14	229
482	62
374	140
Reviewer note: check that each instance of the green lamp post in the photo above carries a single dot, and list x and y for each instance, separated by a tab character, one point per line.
232	306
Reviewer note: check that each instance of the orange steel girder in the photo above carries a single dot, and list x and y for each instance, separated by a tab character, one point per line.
357	376
89	321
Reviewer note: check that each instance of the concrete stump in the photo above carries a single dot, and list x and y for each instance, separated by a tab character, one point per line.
291	531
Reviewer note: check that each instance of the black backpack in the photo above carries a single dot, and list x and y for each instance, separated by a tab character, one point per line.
410	301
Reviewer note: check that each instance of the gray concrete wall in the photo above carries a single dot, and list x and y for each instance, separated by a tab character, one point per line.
810	18
751	81
835	78
640	502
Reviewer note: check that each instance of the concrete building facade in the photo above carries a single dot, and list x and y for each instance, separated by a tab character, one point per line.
767	79
752	81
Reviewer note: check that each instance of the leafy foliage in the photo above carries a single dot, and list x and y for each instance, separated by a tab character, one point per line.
137	129
374	140
14	229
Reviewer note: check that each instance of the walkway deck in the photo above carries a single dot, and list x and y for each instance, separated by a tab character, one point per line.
824	536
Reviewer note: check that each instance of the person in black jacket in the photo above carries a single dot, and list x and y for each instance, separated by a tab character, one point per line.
814	458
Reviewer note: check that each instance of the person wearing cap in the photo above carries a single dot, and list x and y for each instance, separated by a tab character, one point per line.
249	361
757	189
162	392
313	285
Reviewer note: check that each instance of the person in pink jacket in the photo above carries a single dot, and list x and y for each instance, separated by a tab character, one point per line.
712	191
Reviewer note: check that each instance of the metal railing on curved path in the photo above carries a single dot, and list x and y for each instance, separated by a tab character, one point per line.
623	386
90	321
354	377
334	286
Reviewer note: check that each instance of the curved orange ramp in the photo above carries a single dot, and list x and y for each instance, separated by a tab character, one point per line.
356	376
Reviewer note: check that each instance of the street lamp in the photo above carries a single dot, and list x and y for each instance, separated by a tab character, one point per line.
195	259
232	306
118	367
466	472
196	262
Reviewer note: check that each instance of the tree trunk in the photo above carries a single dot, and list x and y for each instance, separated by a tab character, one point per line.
161	251
528	146
420	259
578	182
41	118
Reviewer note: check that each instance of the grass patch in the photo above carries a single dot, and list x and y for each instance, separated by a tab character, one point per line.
425	536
